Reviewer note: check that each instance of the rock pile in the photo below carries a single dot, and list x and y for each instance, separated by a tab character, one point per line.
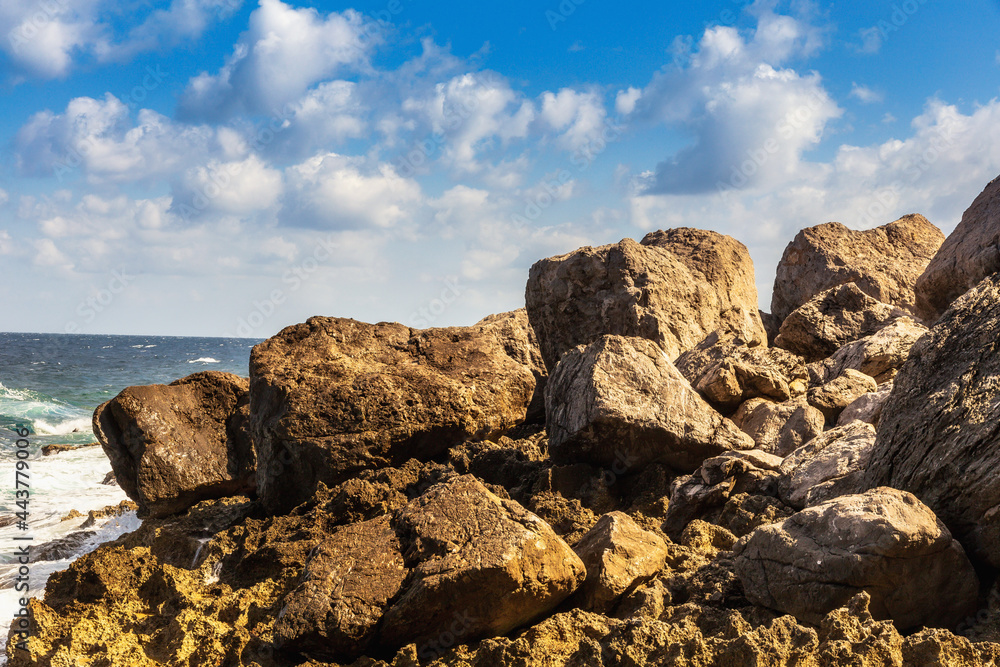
625	472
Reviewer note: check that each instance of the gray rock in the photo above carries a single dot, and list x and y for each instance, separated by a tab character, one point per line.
832	397
828	466
621	402
867	408
884	542
779	428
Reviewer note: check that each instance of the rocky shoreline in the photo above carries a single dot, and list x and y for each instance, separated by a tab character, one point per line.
639	467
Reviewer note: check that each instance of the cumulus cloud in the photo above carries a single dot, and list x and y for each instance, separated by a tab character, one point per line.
238	187
163	28
864	94
869	41
282	54
579	117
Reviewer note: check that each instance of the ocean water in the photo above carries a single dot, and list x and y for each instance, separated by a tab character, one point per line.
51	384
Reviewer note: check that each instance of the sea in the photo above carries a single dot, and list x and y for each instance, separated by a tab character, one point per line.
50	385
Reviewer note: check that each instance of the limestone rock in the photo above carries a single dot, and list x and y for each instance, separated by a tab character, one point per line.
828	466
618	555
832	397
779	428
879	355
884	542
456	553
674	288
937	436
884	262
174	445
332	397
867	408
832	319
621	402
969	254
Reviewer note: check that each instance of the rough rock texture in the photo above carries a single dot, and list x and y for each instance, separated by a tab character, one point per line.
867	408
879	355
621	402
779	428
969	254
938	436
618	555
832	319
884	542
832	397
457	552
884	262
830	465
331	397
174	445
673	289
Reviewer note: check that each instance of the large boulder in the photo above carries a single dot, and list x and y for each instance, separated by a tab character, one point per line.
832	319
828	466
884	542
832	397
883	262
619	556
867	408
780	428
938	436
172	446
332	397
620	403
457	559
879	355
674	288
969	254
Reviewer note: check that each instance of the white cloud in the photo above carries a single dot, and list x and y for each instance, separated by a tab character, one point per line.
871	41
182	20
339	192
578	116
626	99
282	54
4	197
239	188
888	118
864	94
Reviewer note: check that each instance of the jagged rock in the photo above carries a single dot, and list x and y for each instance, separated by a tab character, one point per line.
884	262
674	288
174	445
830	465
620	402
618	555
867	408
457	552
744	512
879	355
779	428
969	254
832	397
519	341
727	372
772	323
937	436
332	397
832	319
706	491
56	448
884	542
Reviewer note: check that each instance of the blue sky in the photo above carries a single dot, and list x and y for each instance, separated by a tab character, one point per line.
228	167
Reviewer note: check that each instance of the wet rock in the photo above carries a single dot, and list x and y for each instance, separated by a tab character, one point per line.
832	397
967	256
884	542
884	262
55	448
333	397
619	401
832	319
937	436
174	445
674	288
830	465
779	428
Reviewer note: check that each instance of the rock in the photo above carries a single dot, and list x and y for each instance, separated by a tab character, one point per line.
727	372
937	436
772	324
883	262
832	397
674	288
832	319
884	542
867	408
620	402
779	428
110	479
333	397
968	255
745	512
174	445
519	341
618	555
49	450
830	465
879	355
456	554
